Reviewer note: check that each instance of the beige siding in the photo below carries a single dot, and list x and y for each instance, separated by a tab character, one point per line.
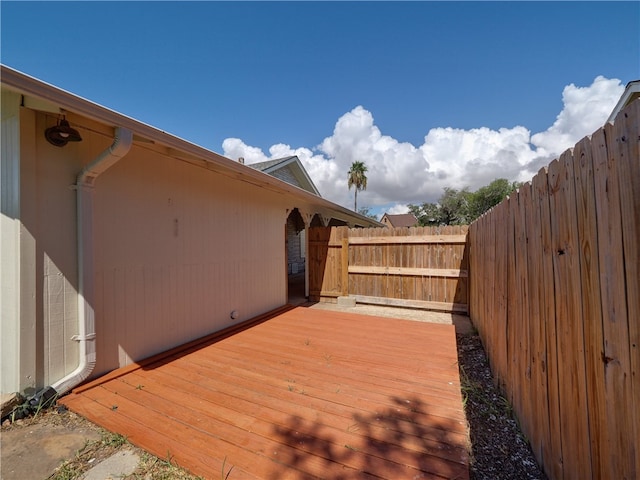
10	295
178	248
57	258
48	267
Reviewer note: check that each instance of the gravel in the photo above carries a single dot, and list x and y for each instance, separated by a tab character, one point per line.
498	448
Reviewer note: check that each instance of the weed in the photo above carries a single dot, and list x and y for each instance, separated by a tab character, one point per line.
113	439
157	469
66	472
44	403
307	342
35	405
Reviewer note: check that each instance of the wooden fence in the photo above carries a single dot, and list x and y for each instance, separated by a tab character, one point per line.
411	267
555	295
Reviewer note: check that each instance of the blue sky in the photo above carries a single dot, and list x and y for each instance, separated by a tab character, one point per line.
340	81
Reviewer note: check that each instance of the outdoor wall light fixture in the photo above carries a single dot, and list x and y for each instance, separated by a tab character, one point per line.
62	134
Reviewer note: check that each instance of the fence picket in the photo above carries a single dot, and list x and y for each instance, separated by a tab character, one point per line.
627	150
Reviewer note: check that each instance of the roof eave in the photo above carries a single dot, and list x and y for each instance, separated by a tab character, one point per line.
631	92
27	85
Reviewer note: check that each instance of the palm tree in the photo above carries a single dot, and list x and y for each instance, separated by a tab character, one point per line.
357	177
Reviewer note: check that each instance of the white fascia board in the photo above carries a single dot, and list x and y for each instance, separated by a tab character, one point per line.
631	92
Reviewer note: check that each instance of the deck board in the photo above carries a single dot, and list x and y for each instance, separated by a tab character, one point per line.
306	394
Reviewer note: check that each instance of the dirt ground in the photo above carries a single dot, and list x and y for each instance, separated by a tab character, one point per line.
60	445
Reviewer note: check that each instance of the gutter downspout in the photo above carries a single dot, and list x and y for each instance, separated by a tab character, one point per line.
86	291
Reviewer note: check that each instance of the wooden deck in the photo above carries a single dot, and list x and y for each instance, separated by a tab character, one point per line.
305	394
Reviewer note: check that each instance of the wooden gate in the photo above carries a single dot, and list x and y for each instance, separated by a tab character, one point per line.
421	267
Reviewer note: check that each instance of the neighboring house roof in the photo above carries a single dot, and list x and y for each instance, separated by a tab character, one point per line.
42	96
289	169
631	93
400	220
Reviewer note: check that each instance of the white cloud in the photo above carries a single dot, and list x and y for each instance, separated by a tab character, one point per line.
397	209
400	173
235	148
585	110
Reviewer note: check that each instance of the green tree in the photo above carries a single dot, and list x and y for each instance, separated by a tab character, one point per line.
489	196
428	214
454	206
358	178
461	207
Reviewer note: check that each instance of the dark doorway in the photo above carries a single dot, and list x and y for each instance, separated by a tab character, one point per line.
296	252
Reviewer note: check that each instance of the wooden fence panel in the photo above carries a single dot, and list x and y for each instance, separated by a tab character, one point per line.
626	149
536	215
615	355
326	262
564	280
574	429
414	267
497	299
592	309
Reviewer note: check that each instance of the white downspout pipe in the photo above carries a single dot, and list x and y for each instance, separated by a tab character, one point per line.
86	291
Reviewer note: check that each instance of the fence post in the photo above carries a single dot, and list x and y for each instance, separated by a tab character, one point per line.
345	265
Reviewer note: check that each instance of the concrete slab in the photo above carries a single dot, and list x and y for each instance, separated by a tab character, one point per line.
346	302
462	322
118	465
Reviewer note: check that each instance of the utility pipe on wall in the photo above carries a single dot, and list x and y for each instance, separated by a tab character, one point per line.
86	297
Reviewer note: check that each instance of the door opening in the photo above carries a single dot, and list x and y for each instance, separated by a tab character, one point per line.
295	250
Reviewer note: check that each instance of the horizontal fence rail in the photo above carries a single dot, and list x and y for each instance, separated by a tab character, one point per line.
419	267
555	295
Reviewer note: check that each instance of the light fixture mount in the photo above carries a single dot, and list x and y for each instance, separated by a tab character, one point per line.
62	133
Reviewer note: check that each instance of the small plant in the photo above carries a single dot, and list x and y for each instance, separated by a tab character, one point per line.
152	467
113	439
34	405
139	387
307	342
66	471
